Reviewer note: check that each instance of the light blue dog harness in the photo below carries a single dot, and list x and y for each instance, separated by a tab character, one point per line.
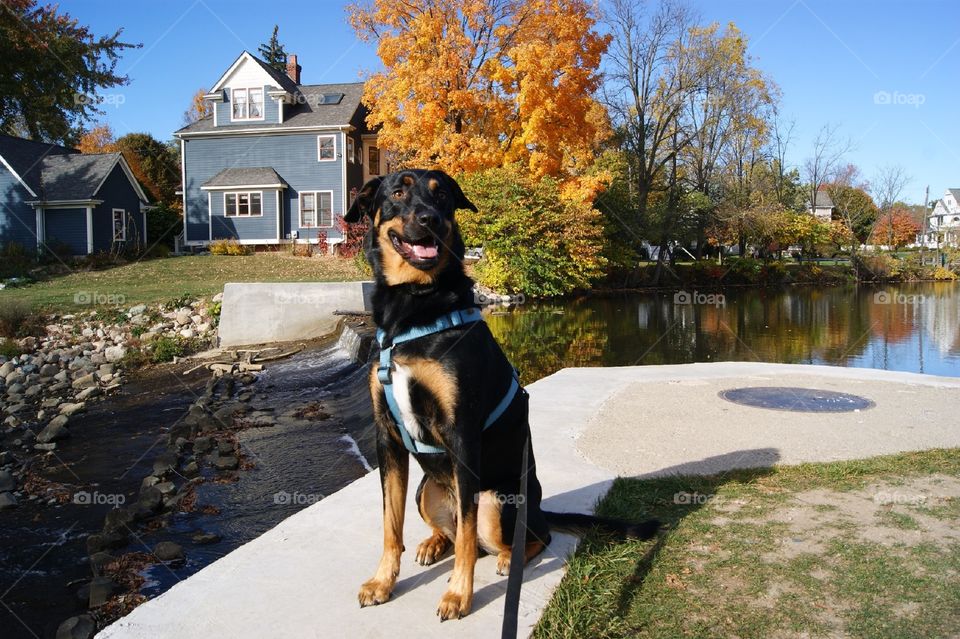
384	374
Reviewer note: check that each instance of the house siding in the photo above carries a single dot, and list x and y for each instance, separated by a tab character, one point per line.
67	226
18	221
292	156
116	193
271	109
263	227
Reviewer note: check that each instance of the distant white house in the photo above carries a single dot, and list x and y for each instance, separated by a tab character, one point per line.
943	223
822	208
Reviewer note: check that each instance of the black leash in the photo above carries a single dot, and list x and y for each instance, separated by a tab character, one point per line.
511	603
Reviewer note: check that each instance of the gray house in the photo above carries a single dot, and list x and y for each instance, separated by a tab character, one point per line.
52	195
276	161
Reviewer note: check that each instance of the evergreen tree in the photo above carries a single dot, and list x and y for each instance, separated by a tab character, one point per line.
272	52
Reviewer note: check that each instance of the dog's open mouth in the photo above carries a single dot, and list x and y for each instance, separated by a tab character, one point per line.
420	252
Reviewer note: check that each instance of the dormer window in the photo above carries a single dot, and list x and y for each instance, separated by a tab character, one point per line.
247	104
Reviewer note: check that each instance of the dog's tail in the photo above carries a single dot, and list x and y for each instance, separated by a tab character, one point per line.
579	523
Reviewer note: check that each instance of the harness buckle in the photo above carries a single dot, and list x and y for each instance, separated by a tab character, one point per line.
385	374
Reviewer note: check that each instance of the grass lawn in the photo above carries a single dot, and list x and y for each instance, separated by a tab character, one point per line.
850	549
160	280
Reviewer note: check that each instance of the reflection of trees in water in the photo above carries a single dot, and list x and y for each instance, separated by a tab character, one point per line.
797	325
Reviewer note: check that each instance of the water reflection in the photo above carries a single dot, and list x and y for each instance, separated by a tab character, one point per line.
909	327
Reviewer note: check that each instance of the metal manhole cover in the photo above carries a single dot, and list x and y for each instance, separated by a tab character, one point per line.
796	399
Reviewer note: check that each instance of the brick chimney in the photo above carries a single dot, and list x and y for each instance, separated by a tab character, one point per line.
293	69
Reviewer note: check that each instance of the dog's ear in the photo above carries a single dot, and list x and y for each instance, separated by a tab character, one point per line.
365	203
460	200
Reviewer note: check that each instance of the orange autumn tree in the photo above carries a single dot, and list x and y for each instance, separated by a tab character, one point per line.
475	84
99	139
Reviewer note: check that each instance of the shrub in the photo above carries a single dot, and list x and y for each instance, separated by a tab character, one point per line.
298	249
101	260
876	267
163	224
159	251
535	240
166	348
15	260
353	235
9	348
229	246
17	319
742	270
944	274
57	252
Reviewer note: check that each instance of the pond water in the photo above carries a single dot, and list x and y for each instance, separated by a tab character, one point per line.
909	327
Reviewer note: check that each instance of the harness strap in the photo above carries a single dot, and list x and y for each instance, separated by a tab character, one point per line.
385	374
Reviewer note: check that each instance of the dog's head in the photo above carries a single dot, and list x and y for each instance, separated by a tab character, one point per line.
413	235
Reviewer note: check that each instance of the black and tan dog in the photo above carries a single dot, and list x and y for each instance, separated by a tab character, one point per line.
445	385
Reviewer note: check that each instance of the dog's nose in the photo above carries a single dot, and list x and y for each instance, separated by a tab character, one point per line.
429	219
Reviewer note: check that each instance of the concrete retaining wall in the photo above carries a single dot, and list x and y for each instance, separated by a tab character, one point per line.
255	313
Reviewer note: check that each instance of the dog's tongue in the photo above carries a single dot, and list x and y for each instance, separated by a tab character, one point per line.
423	252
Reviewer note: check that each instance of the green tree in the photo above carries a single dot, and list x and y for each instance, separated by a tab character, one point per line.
154	165
272	52
53	71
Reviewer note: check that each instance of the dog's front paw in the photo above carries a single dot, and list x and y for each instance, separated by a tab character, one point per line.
373	592
453	605
431	549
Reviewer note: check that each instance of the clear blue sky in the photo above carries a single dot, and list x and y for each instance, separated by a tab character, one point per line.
830	58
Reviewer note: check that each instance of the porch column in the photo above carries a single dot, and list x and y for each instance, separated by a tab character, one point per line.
40	230
89	230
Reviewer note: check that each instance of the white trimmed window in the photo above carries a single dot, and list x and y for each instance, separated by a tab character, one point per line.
119	225
351	151
243	204
326	148
316	209
247	104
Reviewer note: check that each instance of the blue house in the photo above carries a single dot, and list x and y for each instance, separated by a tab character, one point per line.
277	160
52	195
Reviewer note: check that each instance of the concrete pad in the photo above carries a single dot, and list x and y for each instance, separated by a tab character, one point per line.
300	579
258	313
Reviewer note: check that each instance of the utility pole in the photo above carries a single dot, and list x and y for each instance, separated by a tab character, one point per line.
923	236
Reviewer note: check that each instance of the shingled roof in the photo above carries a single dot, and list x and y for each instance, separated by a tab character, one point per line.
308	110
823	201
255	176
25	158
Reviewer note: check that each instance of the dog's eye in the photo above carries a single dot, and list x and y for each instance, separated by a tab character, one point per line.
398	194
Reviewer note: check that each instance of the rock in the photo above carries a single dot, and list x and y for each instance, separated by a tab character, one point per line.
149	481
55	430
99	561
182	318
98	542
117	519
226	462
69	409
106	369
81	627
87	381
218	297
204	538
166	487
50	446
139	309
12	422
49	370
151	499
202	444
61	376
7	482
7	501
168	551
87	393
203	327
188	333
149	336
33	391
101	589
6	457
191	469
51	402
6	369
15	377
225	447
15	389
164	464
114	353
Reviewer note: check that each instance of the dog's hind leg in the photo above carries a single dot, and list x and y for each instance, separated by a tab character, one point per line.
437	507
394	470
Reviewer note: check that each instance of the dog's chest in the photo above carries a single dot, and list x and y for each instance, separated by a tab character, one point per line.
402	381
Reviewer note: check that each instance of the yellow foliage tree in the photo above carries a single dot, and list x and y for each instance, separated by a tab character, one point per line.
199	108
99	139
475	84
